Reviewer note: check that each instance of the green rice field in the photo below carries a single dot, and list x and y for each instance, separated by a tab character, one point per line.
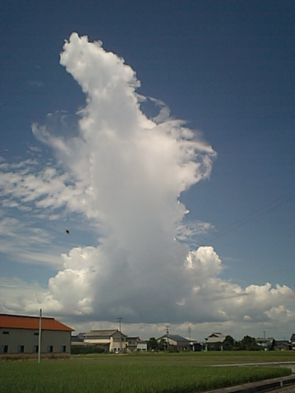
138	373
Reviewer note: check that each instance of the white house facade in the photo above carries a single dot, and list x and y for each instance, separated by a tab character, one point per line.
109	340
214	342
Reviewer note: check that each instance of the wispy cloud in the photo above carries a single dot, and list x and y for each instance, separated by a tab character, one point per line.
192	231
23	242
23	186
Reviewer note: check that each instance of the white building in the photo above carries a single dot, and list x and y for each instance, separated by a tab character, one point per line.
214	342
19	336
109	340
135	344
265	343
174	341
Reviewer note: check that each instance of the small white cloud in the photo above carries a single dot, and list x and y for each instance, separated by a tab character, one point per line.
204	263
280	312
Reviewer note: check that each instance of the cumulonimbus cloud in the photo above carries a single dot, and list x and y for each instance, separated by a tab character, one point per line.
133	171
127	172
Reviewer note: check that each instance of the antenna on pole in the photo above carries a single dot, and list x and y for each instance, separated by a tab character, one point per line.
167	337
39	336
189	332
119	319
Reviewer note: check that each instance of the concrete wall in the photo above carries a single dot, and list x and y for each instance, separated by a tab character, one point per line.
17	341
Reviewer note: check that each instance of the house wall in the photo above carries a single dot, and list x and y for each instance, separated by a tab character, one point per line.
17	341
115	343
104	343
214	346
132	343
177	345
118	343
141	347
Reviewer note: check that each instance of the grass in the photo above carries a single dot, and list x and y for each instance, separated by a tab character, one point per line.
149	373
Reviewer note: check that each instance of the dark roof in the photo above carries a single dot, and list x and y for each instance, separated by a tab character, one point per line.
217	334
76	339
102	333
175	337
8	321
264	340
215	338
286	342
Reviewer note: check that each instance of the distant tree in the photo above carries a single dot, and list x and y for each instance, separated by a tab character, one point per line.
153	344
228	343
249	344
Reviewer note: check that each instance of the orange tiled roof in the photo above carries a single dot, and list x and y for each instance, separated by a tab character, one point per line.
28	322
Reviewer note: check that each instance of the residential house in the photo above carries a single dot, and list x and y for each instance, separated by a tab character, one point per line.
265	343
109	340
293	341
78	346
174	342
132	343
136	344
19	336
142	346
282	345
195	345
214	342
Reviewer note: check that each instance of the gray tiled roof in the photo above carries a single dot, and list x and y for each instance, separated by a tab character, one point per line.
101	333
175	337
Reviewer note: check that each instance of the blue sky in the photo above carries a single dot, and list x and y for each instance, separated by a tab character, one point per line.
224	67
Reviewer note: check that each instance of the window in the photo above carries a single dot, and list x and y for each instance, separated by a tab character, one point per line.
5	332
50	348
63	348
36	333
3	348
20	348
36	348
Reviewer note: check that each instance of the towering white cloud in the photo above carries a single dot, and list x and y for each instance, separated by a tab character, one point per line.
126	172
132	171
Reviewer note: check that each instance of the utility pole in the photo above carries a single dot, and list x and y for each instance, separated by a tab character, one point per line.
39	336
119	319
189	332
167	337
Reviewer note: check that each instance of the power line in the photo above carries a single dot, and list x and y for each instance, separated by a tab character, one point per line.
255	215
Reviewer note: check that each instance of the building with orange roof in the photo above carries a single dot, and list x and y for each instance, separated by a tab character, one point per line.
19	336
